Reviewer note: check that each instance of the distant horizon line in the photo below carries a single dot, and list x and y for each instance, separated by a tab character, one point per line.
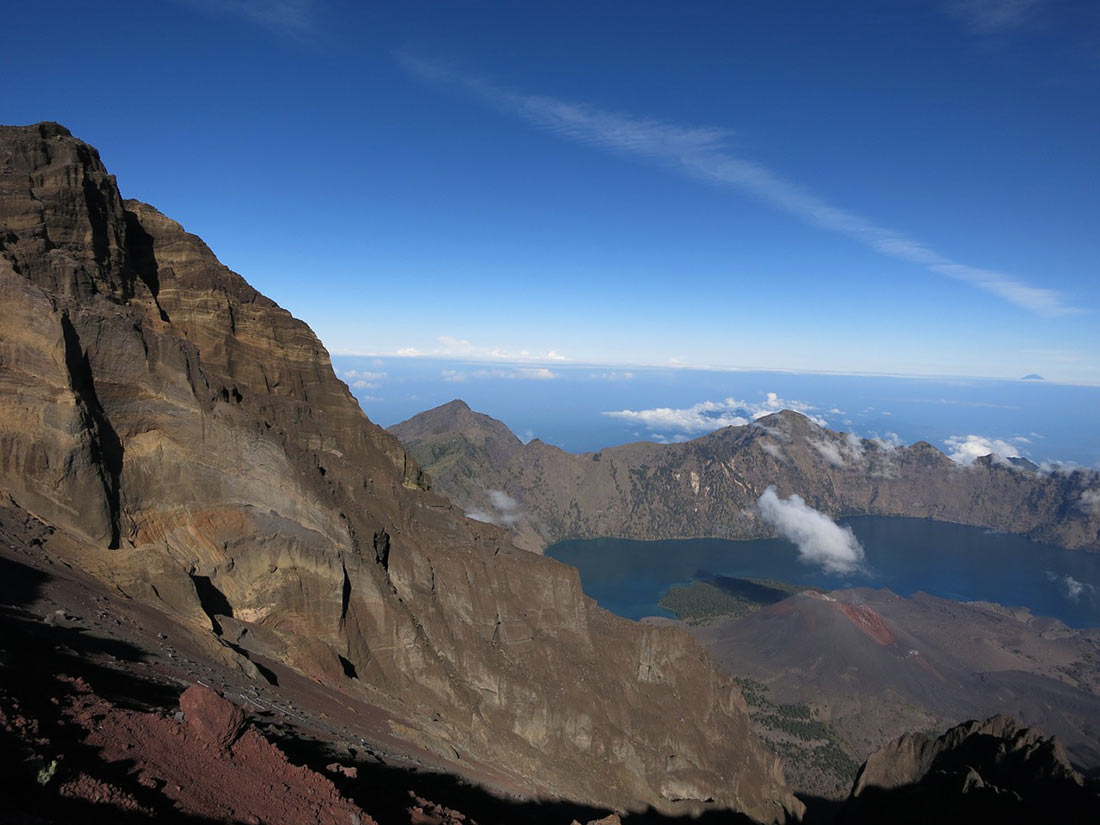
566	363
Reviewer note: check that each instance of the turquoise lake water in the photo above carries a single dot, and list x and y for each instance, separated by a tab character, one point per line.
903	554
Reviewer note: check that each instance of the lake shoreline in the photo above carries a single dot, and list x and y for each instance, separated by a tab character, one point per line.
905	555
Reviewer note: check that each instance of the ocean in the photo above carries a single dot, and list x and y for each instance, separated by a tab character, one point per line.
585	408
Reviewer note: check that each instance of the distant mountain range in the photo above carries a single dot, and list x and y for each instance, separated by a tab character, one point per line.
710	486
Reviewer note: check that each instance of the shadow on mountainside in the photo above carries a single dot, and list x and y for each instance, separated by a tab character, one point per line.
949	799
387	791
50	658
42	660
820	810
746	589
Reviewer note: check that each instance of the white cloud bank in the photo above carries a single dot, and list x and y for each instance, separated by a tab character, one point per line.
448	347
703	154
364	379
707	416
820	540
888	442
828	451
522	373
964	449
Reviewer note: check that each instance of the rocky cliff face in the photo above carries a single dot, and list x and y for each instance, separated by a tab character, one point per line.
710	486
191	436
996	770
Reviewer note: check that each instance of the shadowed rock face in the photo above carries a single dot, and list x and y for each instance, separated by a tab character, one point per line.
710	486
991	771
191	435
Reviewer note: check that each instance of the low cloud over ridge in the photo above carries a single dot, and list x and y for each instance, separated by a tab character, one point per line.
1090	501
507	510
707	416
820	540
964	449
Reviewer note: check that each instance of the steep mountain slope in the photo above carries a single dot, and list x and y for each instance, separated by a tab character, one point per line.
875	665
709	486
190	440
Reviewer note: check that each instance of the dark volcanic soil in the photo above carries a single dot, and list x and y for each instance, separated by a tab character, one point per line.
206	764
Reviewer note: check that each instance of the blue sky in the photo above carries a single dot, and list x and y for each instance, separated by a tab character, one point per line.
904	187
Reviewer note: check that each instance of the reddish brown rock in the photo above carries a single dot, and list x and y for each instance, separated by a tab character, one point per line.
346	771
610	819
211	716
425	812
252	780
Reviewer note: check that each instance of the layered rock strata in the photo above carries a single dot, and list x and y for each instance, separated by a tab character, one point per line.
191	436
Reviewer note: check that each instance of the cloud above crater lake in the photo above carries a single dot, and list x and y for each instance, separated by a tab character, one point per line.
820	540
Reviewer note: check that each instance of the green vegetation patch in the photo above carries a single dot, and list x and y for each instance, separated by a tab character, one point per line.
715	596
813	754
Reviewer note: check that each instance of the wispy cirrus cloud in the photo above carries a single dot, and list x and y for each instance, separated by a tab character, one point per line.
992	16
287	16
459	348
704	154
523	373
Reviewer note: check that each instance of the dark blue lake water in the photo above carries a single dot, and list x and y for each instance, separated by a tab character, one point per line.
902	554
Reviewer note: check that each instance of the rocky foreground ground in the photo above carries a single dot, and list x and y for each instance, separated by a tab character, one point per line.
110	712
108	715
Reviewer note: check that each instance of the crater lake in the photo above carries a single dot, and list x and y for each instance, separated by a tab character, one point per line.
905	555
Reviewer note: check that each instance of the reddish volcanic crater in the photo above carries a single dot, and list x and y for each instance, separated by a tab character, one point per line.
869	621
